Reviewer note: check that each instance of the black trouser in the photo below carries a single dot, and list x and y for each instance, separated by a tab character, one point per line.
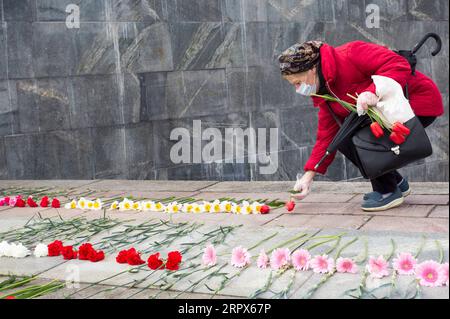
388	182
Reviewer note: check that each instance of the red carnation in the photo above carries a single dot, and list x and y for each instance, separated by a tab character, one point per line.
397	138
31	202
122	257
20	202
154	262
54	249
69	253
56	203
376	129
174	256
265	209
95	256
44	201
84	250
401	129
135	259
173	260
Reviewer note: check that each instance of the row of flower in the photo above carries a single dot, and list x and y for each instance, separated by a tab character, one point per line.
87	252
18	201
126	204
173	207
429	273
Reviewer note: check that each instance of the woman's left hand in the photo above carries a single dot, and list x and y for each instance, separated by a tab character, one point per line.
365	99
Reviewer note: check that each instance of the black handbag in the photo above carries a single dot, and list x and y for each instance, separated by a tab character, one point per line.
378	156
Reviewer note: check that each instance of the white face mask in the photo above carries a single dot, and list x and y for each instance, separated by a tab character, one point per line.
307	89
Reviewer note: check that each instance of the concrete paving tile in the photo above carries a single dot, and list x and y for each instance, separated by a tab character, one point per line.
418	225
439	212
318	221
400	211
430	199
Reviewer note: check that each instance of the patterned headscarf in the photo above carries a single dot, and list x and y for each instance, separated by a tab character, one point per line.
300	57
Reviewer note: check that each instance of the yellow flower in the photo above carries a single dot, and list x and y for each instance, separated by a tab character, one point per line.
89	204
207	207
136	206
71	205
82	203
97	204
114	205
216	206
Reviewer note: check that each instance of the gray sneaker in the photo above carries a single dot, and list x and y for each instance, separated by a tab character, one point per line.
404	187
377	203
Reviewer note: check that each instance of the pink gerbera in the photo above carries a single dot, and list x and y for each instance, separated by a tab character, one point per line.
240	257
301	259
378	267
263	260
444	274
209	257
280	257
429	273
322	264
346	265
404	264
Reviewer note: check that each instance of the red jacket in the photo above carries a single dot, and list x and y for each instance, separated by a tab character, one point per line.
348	69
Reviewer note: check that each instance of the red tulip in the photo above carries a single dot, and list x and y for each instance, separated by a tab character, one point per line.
376	129
31	202
397	138
290	206
401	129
265	209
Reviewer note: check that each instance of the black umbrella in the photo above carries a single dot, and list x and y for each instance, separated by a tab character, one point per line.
353	122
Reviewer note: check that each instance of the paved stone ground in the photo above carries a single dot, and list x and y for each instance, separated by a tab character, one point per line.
331	208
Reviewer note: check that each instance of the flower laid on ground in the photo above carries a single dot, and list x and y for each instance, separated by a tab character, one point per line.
18	201
346	265
322	264
13	250
44	201
240	257
301	259
31	202
377	267
209	257
265	209
263	260
216	206
174	259
85	251
172	262
280	258
41	250
69	253
404	264
154	262
54	248
429	274
4	201
130	256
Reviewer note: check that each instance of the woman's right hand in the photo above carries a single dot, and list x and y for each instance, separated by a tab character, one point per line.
303	185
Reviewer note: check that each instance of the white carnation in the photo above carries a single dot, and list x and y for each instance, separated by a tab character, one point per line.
41	250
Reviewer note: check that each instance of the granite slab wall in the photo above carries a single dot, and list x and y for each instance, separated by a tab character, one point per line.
101	100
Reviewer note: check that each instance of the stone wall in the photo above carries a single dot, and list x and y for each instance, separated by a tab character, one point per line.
100	101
